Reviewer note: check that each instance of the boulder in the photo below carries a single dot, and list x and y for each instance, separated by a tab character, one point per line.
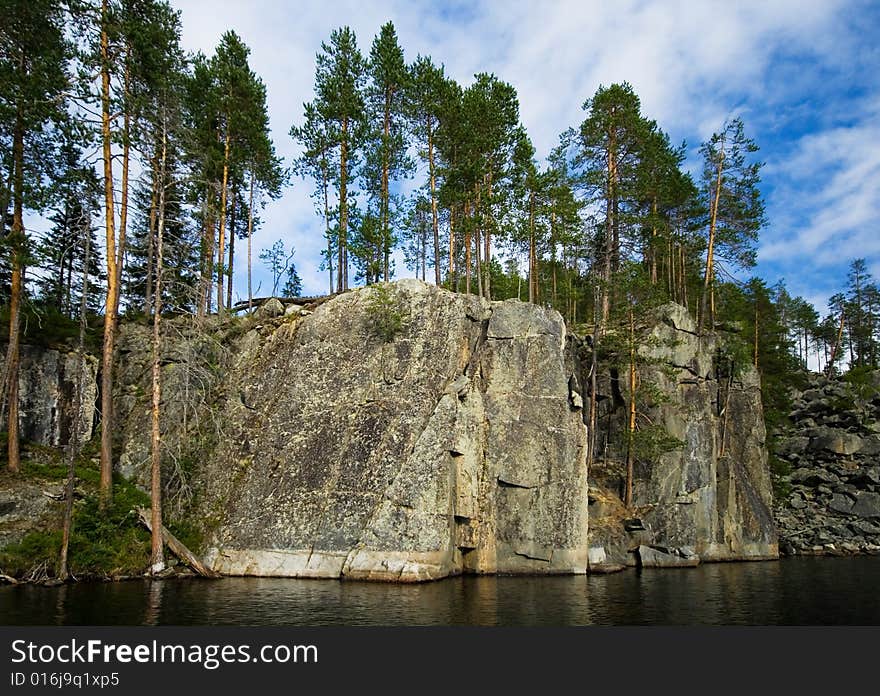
273	307
841	503
656	558
835	441
813	477
867	505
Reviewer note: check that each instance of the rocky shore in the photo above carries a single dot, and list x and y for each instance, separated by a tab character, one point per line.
832	445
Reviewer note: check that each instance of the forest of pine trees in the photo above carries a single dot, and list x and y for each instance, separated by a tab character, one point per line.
152	166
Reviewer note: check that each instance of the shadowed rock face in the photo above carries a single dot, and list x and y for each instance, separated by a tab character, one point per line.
712	497
47	396
453	448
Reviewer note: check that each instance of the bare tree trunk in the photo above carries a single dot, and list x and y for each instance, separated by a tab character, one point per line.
594	384
250	234
533	255
467	250
478	224
631	429
755	347
386	204
830	367
487	236
342	270
434	219
708	304
453	269
157	560
229	271
73	445
221	241
324	186
154	194
106	482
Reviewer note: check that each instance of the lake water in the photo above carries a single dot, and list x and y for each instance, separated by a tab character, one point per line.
795	591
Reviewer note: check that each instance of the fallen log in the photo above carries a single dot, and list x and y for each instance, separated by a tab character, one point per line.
177	547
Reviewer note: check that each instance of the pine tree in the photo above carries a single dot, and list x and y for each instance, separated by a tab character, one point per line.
385	93
611	142
61	252
424	103
733	200
317	162
33	82
339	87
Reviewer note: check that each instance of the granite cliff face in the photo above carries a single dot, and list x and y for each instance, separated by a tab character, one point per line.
47	396
455	447
413	433
708	498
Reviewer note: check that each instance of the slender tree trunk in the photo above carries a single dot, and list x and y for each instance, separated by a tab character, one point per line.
830	367
434	219
250	234
324	186
594	384
708	304
533	255
487	236
755	347
424	234
609	237
386	204
73	445
123	195
342	270
467	249
654	241
453	267
13	357
208	246
17	252
682	272
106	481
477	225
229	271
157	560
221	241
154	196
631	429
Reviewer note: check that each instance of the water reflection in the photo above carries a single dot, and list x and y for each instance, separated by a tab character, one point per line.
795	591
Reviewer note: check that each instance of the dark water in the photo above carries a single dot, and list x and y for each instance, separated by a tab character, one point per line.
789	592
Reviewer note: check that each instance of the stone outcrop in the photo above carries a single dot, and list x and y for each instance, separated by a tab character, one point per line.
409	433
711	492
833	448
455	447
47	396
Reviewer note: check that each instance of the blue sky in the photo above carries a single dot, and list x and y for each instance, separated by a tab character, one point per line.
804	76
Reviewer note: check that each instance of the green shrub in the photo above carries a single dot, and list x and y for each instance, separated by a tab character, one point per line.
385	315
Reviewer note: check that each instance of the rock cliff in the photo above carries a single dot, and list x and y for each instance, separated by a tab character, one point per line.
708	496
455	447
